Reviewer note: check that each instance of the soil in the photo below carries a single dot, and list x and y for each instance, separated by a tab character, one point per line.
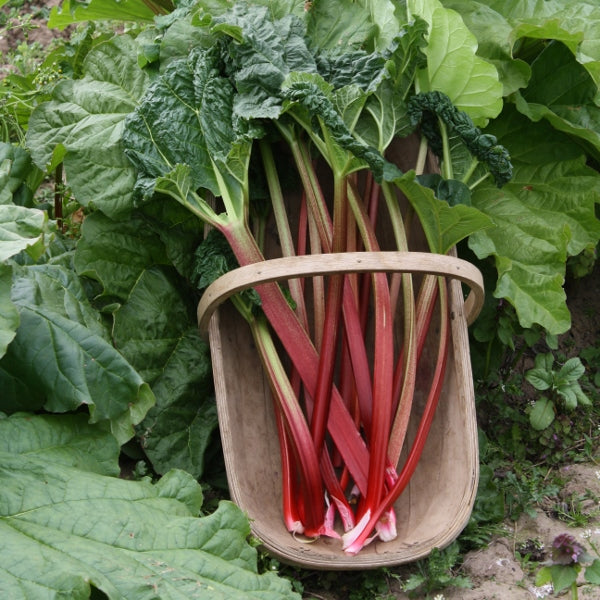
496	572
13	33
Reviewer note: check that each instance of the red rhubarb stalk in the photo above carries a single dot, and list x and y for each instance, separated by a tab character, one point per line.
383	365
303	355
294	423
356	539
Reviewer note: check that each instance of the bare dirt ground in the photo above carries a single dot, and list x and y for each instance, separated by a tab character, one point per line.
495	571
34	30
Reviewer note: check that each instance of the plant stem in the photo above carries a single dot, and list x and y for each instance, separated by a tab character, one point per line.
58	196
295	424
356	539
303	355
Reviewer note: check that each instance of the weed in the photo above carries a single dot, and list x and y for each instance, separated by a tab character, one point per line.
569	558
436	573
529	553
591	356
575	510
562	385
487	515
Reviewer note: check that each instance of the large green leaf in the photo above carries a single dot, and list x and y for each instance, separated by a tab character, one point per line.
340	25
156	330
453	67
494	36
95	10
179	234
84	121
21	229
58	290
60	360
444	225
9	315
563	92
67	440
501	24
115	253
151	321
65	528
178	430
19	178
545	214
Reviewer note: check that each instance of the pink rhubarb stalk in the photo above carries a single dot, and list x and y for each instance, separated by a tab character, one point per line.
356	539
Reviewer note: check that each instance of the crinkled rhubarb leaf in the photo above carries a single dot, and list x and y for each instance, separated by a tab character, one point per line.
384	114
84	120
172	133
545	214
65	528
266	52
165	130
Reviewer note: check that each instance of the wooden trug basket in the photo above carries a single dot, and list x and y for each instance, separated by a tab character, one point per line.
436	505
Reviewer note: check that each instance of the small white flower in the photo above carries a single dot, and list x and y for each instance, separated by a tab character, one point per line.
598	474
543	591
439	597
587	534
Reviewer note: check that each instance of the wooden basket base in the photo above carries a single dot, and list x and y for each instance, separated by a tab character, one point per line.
438	501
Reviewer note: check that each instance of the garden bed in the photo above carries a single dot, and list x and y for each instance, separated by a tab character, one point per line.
507	566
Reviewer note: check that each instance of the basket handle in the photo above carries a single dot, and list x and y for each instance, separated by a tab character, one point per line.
290	267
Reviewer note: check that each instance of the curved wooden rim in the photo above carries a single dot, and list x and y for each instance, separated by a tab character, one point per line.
278	269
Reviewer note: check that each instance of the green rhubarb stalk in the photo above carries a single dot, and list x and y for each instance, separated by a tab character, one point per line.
408	356
323	224
283	226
